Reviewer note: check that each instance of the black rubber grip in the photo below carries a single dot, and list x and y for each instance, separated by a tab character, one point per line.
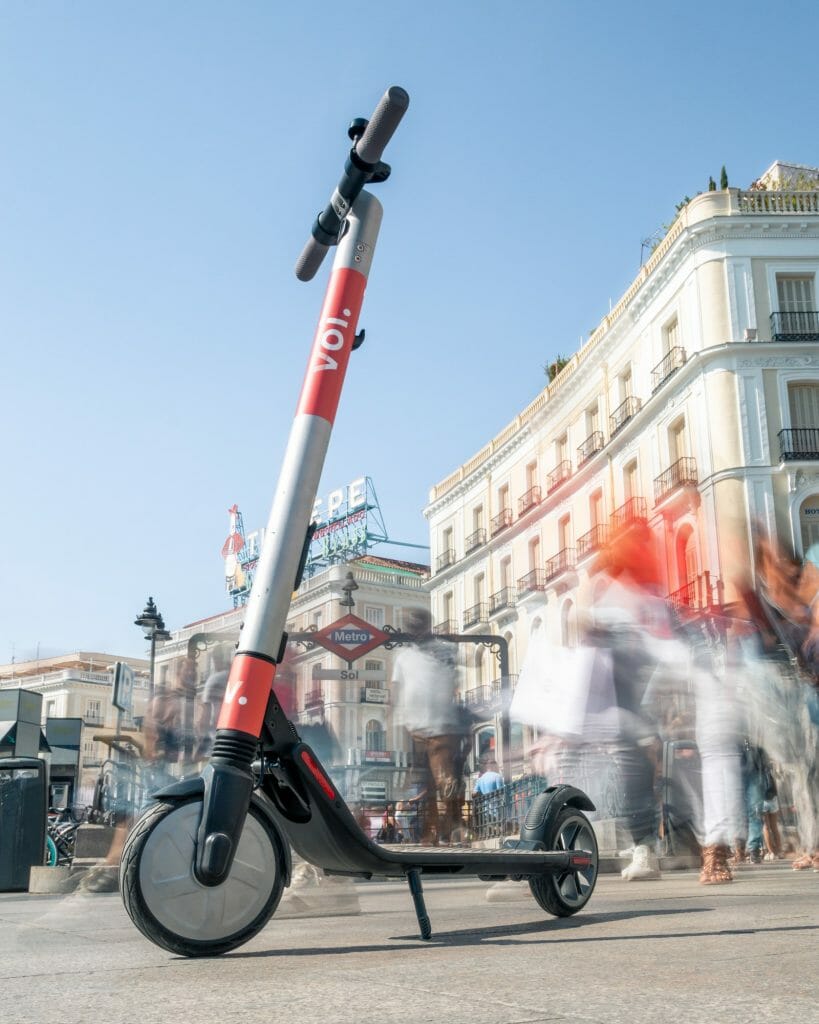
310	260
386	117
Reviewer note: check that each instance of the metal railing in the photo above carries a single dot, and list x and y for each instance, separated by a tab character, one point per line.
591	541
798	326
632	510
500	521
484	696
798	443
532	581
474	540
313	698
680	474
561	472
563	561
623	413
528	500
444	559
503	598
591	446
448	627
475	614
503	812
699	593
667	367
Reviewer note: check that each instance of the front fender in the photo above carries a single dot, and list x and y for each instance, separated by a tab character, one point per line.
194	785
547	805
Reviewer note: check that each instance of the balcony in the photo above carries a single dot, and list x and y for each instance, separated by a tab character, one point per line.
561	472
94	719
635	510
798	443
503	598
500	521
529	500
475	540
445	628
702	593
532	582
591	446
313	699
623	413
667	367
591	541
475	615
444	559
563	561
682	473
487	696
802	326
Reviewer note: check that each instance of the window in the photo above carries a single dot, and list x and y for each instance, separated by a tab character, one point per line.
592	419
809	523
562	449
447	542
564	532
51	709
479	588
448	604
93	710
317	618
503	498
794	293
373	666
804	404
531	476
626	386
596	509
477	517
375	616
677	441
534	553
631	480
375	736
506	572
671	335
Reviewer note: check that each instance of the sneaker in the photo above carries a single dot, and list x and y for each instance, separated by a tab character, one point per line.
755	856
508	892
643	867
314	894
100	878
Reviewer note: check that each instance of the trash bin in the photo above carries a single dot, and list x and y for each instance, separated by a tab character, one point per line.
23	813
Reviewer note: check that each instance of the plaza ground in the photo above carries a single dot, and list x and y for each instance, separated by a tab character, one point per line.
653	951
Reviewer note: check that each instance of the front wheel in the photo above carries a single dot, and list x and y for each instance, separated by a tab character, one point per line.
564	893
172	908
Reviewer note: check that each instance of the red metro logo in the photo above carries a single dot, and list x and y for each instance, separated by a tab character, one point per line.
350	637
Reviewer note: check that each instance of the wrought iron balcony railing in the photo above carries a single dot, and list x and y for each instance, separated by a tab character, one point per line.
591	541
700	593
623	413
448	627
483	696
474	540
561	472
475	614
591	446
532	582
667	367
503	598
313	698
802	326
680	474
563	561
798	443
500	521
633	510
528	500
444	559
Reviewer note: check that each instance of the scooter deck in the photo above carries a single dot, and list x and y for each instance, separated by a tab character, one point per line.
399	858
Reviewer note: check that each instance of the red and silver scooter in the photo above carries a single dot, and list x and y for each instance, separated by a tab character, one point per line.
204	867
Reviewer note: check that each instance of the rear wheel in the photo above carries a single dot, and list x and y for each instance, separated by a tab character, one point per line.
566	892
170	907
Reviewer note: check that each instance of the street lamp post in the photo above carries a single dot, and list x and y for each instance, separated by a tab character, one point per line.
153	627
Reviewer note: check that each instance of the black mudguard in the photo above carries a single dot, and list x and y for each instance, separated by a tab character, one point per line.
546	807
194	785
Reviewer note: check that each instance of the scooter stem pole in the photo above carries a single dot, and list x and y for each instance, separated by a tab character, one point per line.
228	778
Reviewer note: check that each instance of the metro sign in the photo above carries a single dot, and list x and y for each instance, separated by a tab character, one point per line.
349	637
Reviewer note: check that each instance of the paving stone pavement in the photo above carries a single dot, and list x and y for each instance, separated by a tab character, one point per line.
651	951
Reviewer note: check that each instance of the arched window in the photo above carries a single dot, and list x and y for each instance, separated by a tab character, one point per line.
687	563
568	624
376	737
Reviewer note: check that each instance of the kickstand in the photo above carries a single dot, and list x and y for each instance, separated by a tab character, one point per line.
417	891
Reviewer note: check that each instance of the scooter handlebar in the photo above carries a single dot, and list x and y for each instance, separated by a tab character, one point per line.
310	260
363	165
386	117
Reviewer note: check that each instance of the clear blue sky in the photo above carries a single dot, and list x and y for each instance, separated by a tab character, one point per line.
161	166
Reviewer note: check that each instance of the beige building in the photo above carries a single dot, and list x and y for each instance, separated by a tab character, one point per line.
373	756
79	685
694	405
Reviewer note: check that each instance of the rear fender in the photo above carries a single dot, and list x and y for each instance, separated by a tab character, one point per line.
547	806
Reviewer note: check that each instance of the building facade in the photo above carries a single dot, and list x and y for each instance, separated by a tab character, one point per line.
693	406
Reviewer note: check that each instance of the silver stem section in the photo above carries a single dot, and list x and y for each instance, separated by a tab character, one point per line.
300	475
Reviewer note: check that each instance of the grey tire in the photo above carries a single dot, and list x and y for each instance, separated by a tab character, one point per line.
564	893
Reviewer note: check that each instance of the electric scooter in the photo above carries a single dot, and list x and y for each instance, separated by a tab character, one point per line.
204	867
